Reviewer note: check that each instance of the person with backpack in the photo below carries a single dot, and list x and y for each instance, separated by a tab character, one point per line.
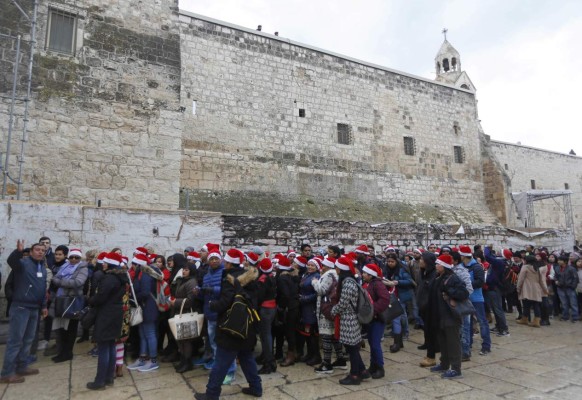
230	344
400	283
372	276
345	310
449	288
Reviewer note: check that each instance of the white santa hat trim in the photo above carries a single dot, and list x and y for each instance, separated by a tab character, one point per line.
135	261
75	252
230	259
444	264
327	262
370	271
343	267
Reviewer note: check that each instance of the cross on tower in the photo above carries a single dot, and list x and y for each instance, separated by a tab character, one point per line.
444	32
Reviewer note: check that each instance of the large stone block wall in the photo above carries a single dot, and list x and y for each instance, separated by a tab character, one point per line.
105	122
551	171
247	150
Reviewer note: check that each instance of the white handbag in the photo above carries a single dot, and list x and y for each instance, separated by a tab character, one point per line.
135	313
186	326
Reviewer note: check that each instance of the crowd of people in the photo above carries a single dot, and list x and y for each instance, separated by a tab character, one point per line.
310	307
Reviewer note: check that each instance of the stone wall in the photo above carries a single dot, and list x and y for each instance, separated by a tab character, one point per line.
550	171
263	138
105	121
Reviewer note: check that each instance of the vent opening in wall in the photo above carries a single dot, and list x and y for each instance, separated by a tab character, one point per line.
302	112
344	134
409	145
61	31
506	167
456	128
459	154
533	184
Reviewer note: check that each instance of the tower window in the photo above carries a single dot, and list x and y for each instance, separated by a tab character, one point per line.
446	64
344	132
459	154
409	149
302	112
61	31
464	86
454	63
533	183
566	186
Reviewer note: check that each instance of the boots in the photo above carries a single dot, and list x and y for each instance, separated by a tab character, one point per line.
289	360
428	362
313	344
185	365
378	372
373	367
523	321
395	348
268	368
535	323
119	371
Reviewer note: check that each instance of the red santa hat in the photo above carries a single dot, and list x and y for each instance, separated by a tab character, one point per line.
124	260
265	265
75	252
234	256
139	259
213	251
508	254
252	258
291	253
113	259
194	256
345	264
389	249
362	249
284	263
209	246
141	250
465	251
419	251
101	256
329	262
315	262
301	261
446	261
372	269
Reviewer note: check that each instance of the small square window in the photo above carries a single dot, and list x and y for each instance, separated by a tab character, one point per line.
344	134
62	27
302	112
506	167
409	149
566	186
459	155
533	184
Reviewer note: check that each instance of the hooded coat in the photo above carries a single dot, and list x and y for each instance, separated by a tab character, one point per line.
108	302
247	285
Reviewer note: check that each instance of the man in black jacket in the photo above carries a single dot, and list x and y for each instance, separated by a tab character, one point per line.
29	297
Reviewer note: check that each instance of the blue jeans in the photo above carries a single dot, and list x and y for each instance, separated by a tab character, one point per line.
21	331
105	362
375	334
569	303
483	326
212	340
399	322
466	335
493	298
223	360
148	339
265	330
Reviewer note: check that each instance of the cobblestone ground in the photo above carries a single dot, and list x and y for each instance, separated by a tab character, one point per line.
532	363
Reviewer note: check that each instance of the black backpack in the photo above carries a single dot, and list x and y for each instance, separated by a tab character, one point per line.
239	318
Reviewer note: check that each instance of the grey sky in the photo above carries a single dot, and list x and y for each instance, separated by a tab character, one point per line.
524	57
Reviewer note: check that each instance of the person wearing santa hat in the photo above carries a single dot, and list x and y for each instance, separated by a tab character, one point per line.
427	310
237	279
308	301
288	306
449	287
493	294
69	281
326	287
350	330
267	293
372	276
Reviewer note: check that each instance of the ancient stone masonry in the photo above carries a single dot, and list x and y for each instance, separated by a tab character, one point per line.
264	136
105	120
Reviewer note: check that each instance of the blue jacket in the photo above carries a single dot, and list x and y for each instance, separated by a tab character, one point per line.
496	269
308	299
29	289
477	277
405	286
210	290
145	290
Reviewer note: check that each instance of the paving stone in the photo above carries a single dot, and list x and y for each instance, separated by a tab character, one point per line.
436	386
399	391
359	395
321	388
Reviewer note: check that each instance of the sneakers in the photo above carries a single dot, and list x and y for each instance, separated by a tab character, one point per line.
324	368
208	365
340	363
484	352
42	345
438	368
452	374
139	363
149	366
93	352
228	379
494	329
503	333
250	392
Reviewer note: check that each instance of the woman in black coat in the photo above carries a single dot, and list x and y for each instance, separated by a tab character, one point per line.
448	287
108	303
427	310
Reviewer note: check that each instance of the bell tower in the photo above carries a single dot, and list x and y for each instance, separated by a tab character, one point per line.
448	66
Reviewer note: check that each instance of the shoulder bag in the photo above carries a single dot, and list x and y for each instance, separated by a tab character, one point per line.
186	326
135	313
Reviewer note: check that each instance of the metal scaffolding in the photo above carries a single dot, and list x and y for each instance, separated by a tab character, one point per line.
524	202
4	167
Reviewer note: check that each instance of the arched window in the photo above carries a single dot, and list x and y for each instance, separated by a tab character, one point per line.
446	64
454	63
464	86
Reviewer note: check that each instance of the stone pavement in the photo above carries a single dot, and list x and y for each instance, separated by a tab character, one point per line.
532	363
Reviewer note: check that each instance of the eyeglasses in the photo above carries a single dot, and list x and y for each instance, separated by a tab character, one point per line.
74	257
